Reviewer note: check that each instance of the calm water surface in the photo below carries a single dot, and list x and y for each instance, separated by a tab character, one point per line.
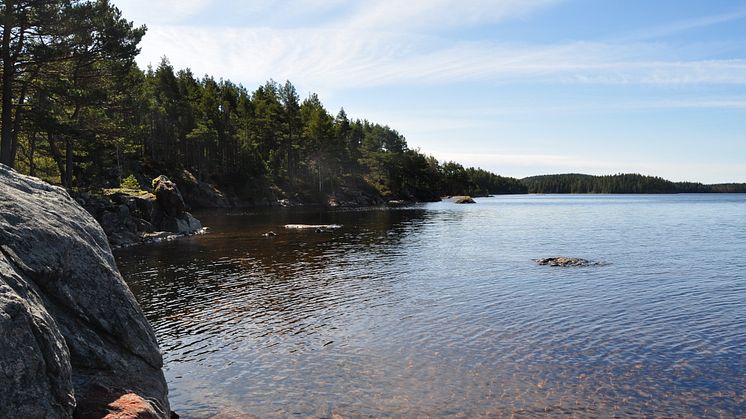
439	310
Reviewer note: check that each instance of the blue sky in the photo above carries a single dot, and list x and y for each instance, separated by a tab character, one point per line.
519	87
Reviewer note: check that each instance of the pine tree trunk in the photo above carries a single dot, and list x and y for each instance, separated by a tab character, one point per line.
56	156
6	132
31	151
68	179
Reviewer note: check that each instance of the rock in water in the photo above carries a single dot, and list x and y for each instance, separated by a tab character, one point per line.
74	339
565	261
314	227
169	213
463	200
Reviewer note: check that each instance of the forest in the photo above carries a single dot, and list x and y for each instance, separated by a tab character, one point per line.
621	184
77	111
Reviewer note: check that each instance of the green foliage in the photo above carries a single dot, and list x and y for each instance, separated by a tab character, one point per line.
131	183
619	184
577	183
70	100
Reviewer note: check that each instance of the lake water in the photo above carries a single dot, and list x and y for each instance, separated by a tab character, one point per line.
439	310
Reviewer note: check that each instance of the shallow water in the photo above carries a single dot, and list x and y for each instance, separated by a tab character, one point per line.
439	310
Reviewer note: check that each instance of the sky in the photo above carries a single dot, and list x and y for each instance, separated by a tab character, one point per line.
518	87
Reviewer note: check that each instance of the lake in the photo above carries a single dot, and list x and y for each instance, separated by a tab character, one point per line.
439	309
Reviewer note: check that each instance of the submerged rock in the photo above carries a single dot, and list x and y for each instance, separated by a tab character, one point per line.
74	339
565	261
315	227
396	203
159	236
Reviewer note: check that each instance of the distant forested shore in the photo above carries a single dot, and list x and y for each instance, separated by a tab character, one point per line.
621	184
77	111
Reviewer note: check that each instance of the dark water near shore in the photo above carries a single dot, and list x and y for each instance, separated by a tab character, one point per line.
439	310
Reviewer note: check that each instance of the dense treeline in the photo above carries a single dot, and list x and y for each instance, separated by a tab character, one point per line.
728	188
620	184
77	110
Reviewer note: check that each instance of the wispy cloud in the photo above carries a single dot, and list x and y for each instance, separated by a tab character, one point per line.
355	44
683	26
387	15
379	15
157	12
387	42
352	58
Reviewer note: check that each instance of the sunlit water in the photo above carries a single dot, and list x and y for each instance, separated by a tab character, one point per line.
439	310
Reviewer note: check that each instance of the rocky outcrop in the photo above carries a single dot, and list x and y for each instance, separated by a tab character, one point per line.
463	200
169	213
130	217
74	340
124	216
566	261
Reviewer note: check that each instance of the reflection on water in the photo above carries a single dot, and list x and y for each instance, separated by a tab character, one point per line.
438	309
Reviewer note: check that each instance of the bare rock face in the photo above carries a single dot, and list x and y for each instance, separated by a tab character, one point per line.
74	339
169	212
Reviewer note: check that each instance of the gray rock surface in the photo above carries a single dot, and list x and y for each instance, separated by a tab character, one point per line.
73	337
169	212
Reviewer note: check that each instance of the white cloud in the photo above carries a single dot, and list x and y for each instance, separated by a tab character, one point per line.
379	15
385	42
360	44
350	58
400	16
156	12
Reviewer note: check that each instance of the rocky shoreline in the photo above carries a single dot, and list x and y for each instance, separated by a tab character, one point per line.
161	212
131	217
